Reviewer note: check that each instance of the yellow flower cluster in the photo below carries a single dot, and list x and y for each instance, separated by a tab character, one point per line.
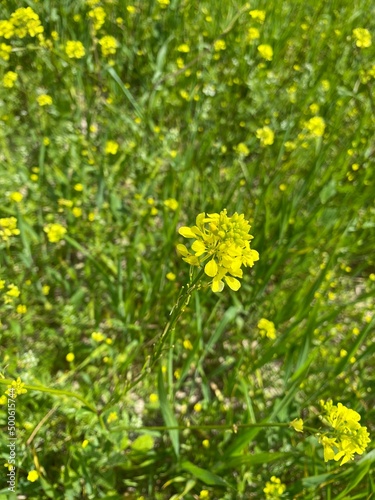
8	228
267	328
74	49
9	79
316	126
347	437
265	51
265	135
55	232
23	21
44	100
111	148
5	50
164	3
274	488
108	45
16	388
98	16
258	15
362	38
222	241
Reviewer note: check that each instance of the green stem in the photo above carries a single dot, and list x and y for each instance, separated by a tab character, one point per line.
232	427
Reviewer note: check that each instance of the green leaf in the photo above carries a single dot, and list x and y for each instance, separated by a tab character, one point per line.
143	443
203	475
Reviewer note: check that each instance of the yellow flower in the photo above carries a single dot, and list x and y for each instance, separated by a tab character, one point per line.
265	51
16	196
16	388
74	49
154	398
13	291
297	424
187	345
258	15
98	16
223	244
265	135
98	336
45	289
44	100
164	3
112	417
32	476
55	232
8	228
219	45
111	147
242	149
21	309
108	45
274	488
362	37
204	494
85	443
170	276
70	357
26	22
9	79
316	126
5	50
183	48
253	34
77	212
6	29
171	203
267	328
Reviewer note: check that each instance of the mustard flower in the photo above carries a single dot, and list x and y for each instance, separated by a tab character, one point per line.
253	34
74	49
55	232
265	135
297	424
9	79
347	436
13	291
16	388
32	476
112	417
362	38
8	228
265	51
6	29
316	126
258	15
274	488
184	47
108	45
170	276
98	16
98	336
267	328
70	357
111	147
16	196
220	45
224	244
242	149
164	3
26	22
44	100
21	309
171	203
5	50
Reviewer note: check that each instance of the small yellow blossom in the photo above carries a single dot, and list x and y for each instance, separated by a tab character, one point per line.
2	284
184	47
98	16
111	147
70	357
258	15
77	212
16	388
16	196
8	228
164	3
13	291
85	443
9	79
241	149
362	38
283	187
171	203
206	443
154	398
55	232
204	494
98	336
187	345
6	29
297	424
45	289
74	49
198	407
267	328
108	45
170	276
26	22
5	51
32	476
265	51
112	417
253	34
44	100
131	9
21	309
219	45
265	135
274	488
78	187
316	126
3	400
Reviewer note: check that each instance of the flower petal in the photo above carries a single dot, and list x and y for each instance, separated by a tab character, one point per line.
232	283
211	268
186	232
217	286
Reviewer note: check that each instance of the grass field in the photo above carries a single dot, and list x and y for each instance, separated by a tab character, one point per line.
125	372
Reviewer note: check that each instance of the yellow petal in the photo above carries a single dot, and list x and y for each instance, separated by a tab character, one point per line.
198	247
182	250
217	286
186	232
232	283
211	268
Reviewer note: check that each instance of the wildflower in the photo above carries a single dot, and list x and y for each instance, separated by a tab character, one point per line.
55	232
206	443
32	476
98	16
97	336
112	417
78	187
13	291
5	50
170	276
347	437
242	149
265	51
225	241
187	345
220	45
74	49
85	443
267	328
45	289
77	212
111	148
6	29
3	401
21	309
108	45
44	100
265	135
154	398
16	196
8	228
362	37
2	284
204	494
171	203
297	424
316	126
9	79
164	3
16	388
258	15
253	34
274	488
70	357
184	47
26	22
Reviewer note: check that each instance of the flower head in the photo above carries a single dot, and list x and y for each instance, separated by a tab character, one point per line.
267	328
265	135
74	49
223	244
108	45
297	424
44	100
16	388
9	79
362	37
32	476
55	232
265	51
8	228
316	126
274	488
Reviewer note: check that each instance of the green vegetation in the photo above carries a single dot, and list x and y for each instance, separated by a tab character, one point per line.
120	123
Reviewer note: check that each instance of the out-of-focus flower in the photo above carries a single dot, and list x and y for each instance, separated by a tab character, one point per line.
265	51
75	49
362	38
265	135
55	232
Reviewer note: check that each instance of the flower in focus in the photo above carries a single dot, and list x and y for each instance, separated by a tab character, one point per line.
9	79
267	328
274	488
75	49
297	424
316	126
8	228
265	135
108	45
32	476
265	51
347	436
223	244
55	232
44	100
111	148
16	388
362	37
